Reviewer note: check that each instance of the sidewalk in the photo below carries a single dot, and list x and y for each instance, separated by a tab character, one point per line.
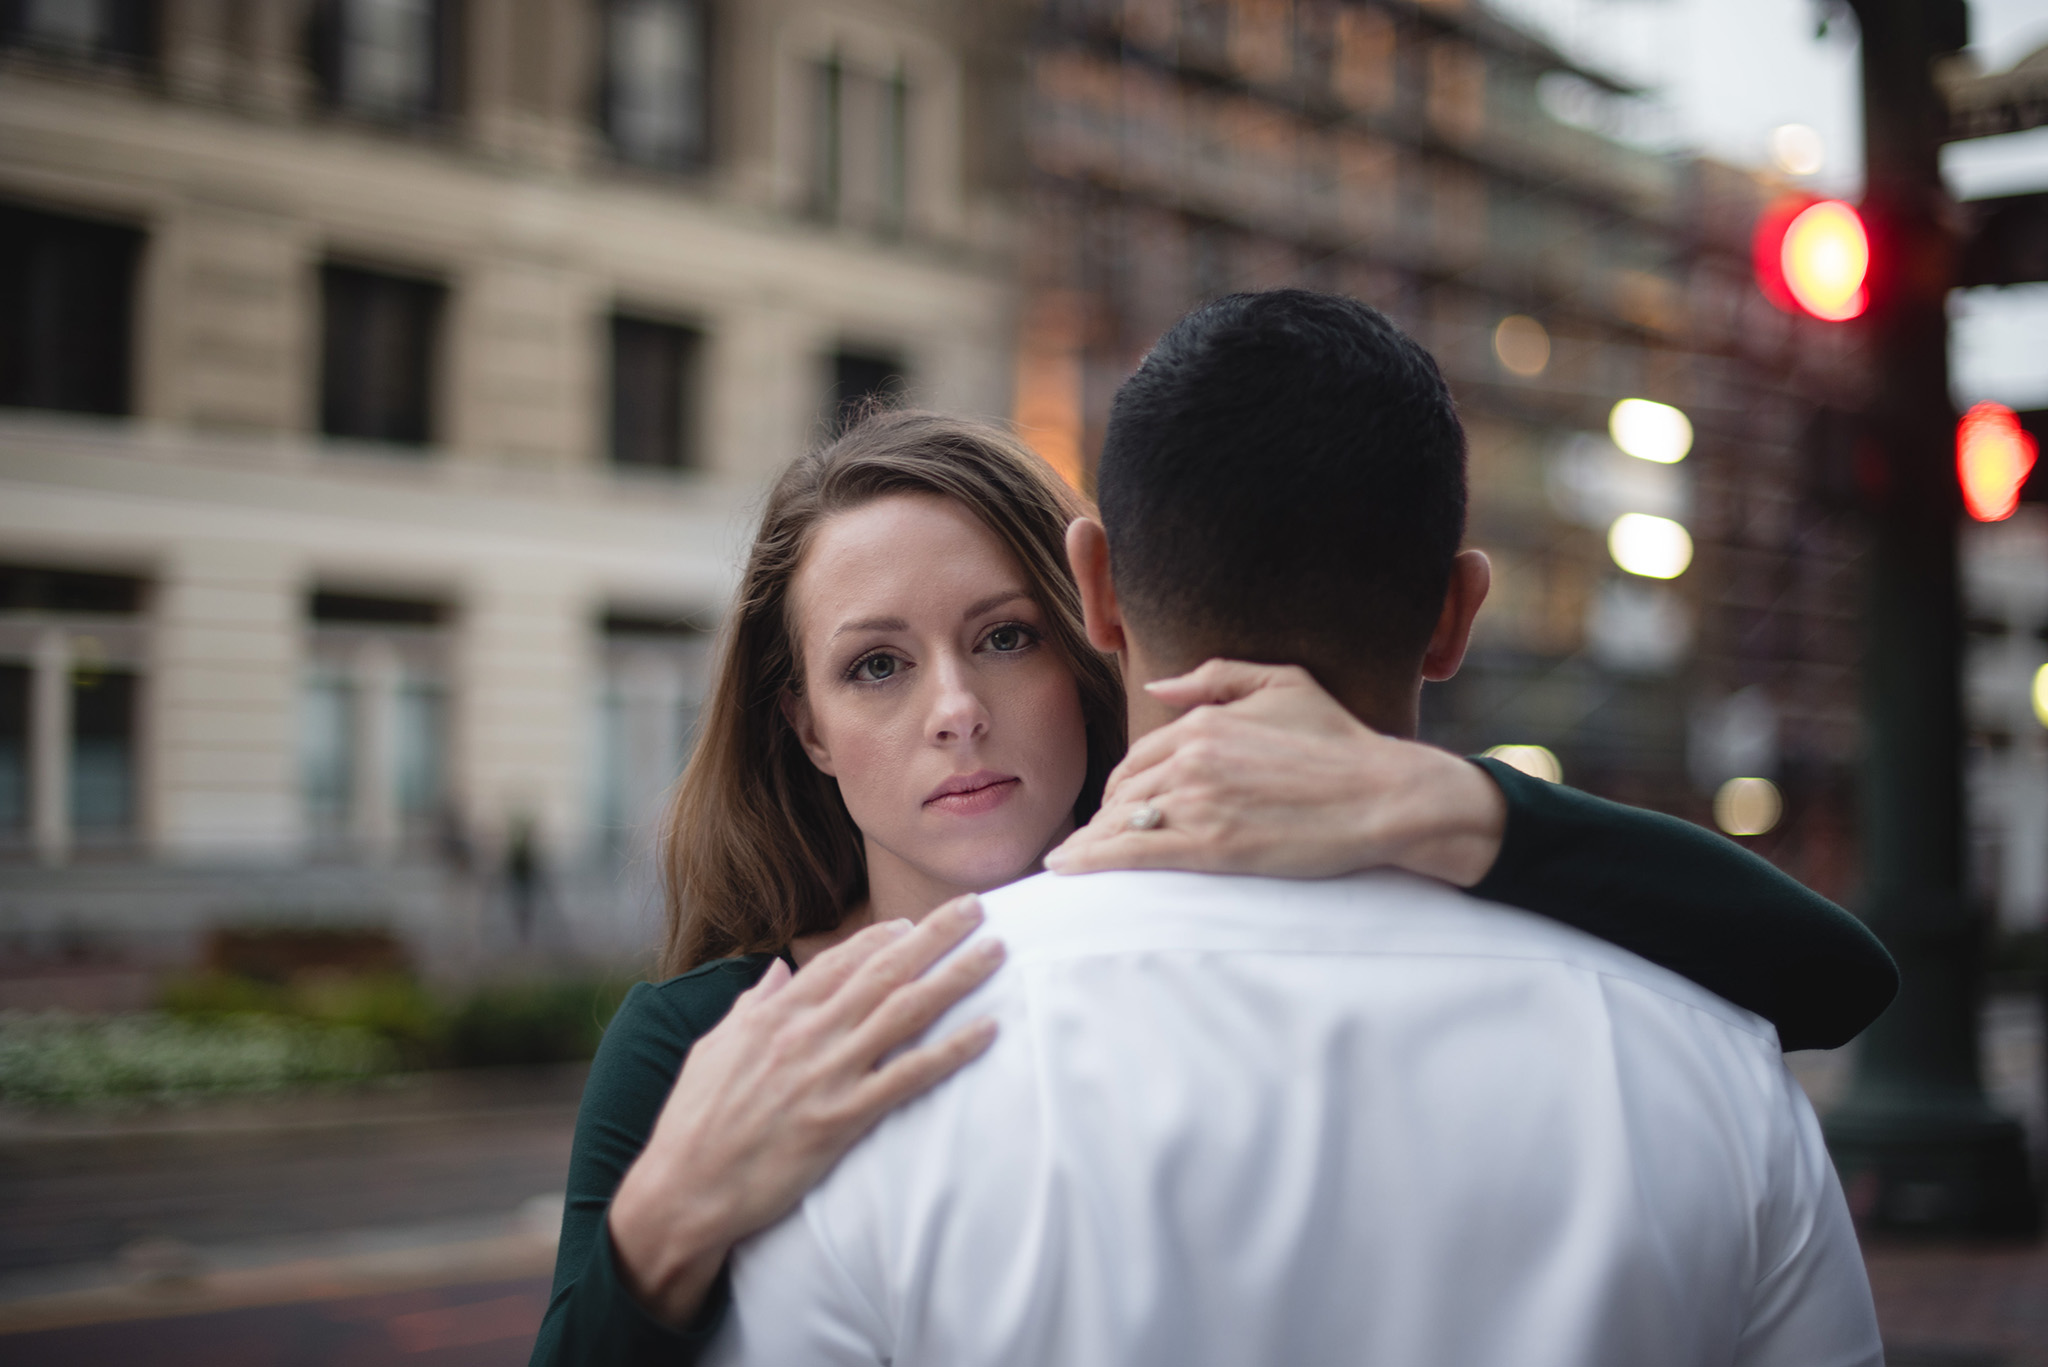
415	1222
1946	1305
425	1181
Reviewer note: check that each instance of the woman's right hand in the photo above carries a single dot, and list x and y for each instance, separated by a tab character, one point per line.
777	1091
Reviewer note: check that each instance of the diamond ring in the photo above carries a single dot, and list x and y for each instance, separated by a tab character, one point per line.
1147	818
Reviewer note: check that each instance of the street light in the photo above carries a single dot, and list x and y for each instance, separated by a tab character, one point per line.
1748	806
1813	257
1653	547
1523	345
1994	455
1537	761
1650	431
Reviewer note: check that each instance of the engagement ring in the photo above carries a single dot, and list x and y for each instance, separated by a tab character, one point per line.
1147	818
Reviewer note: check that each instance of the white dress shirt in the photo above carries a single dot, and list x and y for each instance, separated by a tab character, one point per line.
1369	1120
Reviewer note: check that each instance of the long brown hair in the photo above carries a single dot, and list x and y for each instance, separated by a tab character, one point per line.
757	847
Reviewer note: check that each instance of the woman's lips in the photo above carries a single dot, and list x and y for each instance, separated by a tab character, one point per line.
973	794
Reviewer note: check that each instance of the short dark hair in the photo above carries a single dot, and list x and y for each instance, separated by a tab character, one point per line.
1283	480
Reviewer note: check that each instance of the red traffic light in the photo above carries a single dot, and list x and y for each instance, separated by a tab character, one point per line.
1994	455
1813	257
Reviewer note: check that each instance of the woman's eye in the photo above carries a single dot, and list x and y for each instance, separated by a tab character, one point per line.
1004	640
875	668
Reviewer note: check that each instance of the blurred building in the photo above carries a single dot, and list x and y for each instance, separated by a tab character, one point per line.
1452	169
2005	582
385	387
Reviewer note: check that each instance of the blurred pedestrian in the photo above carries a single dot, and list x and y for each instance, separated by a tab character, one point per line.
525	877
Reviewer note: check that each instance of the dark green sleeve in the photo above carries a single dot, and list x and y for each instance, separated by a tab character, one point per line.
1695	903
592	1318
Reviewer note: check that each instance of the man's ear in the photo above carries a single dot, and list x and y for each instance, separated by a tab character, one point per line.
796	710
1471	576
1088	553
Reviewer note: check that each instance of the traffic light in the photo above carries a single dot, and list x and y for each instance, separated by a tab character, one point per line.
1994	456
1812	256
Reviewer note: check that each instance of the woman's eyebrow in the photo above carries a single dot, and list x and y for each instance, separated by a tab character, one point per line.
994	600
872	624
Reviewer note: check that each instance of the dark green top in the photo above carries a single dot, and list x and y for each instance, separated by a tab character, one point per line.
1670	891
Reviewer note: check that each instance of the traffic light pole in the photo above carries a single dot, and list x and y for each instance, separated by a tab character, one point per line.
1917	1143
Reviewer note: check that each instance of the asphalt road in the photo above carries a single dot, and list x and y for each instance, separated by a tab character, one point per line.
415	1224
486	1324
412	1223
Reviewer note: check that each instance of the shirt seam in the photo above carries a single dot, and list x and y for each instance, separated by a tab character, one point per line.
828	1249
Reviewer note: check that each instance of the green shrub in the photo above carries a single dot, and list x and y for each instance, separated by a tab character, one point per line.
55	1057
531	1022
507	1023
209	996
391	1006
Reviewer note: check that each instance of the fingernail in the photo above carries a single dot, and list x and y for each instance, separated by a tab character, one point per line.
969	910
1055	858
900	927
991	950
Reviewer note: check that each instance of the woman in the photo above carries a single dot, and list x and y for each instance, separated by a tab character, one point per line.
906	711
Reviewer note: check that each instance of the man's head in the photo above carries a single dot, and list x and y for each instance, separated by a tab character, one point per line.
1283	480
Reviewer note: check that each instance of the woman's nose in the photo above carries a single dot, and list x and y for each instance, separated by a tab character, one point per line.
957	712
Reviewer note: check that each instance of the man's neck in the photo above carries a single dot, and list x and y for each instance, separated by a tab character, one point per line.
1371	705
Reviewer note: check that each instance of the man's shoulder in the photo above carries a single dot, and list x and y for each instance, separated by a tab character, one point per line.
1378	914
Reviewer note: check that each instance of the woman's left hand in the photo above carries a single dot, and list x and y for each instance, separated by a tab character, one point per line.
1266	773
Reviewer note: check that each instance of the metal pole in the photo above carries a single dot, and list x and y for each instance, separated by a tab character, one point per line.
1917	1142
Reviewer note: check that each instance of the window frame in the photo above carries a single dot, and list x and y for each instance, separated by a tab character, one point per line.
419	432
689	161
686	437
104	379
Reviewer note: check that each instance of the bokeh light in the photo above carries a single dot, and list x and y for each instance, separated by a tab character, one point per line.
1994	455
1748	806
1797	150
1650	431
1537	761
1654	547
1523	345
2041	695
1825	258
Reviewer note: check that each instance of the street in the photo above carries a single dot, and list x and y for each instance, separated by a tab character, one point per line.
413	1222
416	1222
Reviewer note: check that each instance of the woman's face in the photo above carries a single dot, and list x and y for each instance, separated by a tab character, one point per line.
935	696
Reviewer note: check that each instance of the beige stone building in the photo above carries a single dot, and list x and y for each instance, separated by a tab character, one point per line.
385	389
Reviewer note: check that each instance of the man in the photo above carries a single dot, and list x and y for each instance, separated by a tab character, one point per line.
1235	1120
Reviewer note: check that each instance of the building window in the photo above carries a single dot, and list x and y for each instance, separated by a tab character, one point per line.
102	749
862	380
14	695
654	393
656	91
114	31
379	336
70	693
66	306
860	166
653	686
373	726
383	59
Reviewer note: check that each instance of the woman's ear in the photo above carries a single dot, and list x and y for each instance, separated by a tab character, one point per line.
1088	553
796	710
